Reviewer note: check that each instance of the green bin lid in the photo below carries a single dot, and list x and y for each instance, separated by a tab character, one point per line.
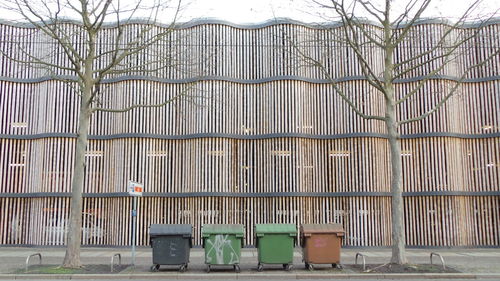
211	229
276	228
170	229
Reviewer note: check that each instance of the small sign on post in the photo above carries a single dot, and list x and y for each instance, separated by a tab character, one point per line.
135	190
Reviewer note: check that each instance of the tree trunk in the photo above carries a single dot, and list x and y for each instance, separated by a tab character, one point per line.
398	230
72	257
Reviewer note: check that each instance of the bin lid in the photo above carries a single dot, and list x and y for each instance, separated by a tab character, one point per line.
237	229
322	228
170	229
280	228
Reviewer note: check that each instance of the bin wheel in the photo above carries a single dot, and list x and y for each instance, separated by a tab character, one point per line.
155	268
183	268
260	267
306	265
288	267
310	267
284	265
337	265
237	268
208	269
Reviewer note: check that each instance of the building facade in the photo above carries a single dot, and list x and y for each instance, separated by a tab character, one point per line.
261	138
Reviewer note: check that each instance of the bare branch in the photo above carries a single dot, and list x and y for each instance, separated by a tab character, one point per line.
452	91
100	17
405	14
438	46
353	22
34	60
418	15
365	66
448	58
372	10
135	46
353	26
333	82
443	38
126	109
50	29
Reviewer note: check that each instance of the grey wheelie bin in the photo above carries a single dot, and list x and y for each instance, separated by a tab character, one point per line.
222	244
171	245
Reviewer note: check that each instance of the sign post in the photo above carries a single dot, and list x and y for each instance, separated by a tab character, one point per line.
135	190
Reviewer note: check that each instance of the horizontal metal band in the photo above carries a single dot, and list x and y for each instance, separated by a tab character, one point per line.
252	195
449	135
271	22
250	137
411	247
249	246
244	81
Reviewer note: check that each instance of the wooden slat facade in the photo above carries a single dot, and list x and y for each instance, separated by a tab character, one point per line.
260	139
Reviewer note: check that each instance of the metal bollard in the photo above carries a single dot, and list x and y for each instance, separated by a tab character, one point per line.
28	260
113	260
364	261
442	260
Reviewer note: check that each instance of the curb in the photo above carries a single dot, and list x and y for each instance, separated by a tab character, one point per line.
277	276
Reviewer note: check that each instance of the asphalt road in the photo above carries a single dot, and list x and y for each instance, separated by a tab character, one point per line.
211	279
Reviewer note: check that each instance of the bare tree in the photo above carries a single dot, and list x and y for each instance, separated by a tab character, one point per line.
386	50
85	51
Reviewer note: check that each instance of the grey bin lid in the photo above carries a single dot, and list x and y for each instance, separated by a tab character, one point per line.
184	230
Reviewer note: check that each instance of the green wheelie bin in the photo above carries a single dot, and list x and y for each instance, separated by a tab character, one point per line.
222	244
275	243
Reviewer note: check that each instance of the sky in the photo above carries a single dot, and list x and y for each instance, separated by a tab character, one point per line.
258	11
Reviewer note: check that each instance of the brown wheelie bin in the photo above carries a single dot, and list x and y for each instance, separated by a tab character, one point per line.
321	244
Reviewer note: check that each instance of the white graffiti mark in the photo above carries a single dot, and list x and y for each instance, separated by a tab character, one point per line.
173	249
219	245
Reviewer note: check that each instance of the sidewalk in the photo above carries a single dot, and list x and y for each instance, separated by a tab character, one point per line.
473	263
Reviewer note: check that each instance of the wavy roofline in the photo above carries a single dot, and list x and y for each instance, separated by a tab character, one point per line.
268	23
244	81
